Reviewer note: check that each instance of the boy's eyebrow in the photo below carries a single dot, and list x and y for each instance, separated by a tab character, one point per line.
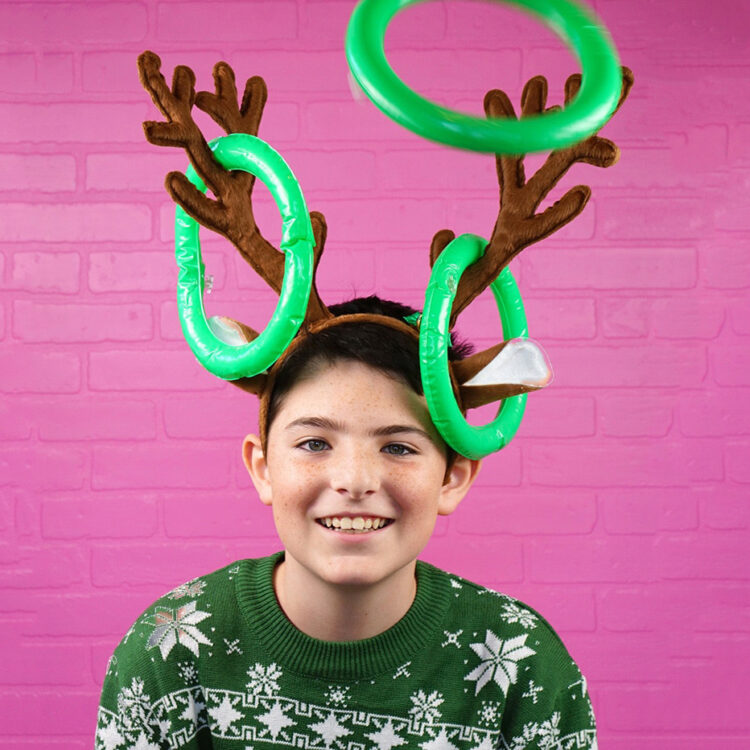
329	424
395	429
322	422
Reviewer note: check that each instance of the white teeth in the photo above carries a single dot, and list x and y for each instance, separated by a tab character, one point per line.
357	525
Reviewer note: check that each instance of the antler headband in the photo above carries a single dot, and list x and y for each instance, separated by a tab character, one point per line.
218	166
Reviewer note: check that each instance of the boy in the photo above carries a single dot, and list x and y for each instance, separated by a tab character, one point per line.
345	639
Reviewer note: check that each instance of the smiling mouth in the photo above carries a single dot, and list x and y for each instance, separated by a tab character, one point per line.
356	525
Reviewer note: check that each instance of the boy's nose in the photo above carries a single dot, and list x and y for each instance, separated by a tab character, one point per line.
355	474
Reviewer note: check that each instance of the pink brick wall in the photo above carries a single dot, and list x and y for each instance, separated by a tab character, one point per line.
621	509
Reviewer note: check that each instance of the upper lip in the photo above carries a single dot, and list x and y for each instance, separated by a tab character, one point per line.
354	515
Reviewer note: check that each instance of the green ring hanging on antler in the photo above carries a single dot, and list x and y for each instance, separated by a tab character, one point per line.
434	340
230	361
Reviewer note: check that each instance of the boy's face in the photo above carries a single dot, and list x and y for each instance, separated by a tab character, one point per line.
353	443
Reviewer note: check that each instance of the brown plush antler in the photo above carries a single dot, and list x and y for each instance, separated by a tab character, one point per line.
231	213
223	109
518	225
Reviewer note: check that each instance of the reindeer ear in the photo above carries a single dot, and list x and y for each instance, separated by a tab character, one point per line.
504	370
234	333
231	331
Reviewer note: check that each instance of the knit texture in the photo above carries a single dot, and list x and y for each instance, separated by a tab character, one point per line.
215	663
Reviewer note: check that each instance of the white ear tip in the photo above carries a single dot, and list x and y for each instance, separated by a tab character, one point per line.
226	331
520	362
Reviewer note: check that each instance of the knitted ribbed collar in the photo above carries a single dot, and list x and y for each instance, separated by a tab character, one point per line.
339	660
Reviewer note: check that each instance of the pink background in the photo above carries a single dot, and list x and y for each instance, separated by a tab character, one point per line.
621	509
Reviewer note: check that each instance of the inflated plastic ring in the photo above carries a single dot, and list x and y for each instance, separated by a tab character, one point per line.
434	340
230	362
590	109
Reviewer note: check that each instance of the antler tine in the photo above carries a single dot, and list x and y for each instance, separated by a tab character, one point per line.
518	225
534	96
229	214
573	84
222	107
594	150
180	129
510	174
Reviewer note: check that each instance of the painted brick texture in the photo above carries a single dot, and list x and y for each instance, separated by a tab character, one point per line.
621	509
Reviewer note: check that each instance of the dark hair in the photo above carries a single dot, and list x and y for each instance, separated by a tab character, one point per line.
389	350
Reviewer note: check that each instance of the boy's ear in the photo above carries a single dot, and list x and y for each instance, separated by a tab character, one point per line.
458	480
257	467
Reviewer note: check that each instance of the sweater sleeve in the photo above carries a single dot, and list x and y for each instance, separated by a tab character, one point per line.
549	706
126	717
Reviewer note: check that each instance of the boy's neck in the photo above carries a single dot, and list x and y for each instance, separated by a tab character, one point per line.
338	613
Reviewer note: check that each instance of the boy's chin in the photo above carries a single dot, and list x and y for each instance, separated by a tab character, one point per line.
358	576
362	574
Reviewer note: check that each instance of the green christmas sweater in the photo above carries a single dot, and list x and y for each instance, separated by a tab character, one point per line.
216	664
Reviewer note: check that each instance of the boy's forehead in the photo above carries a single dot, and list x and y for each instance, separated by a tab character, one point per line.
347	392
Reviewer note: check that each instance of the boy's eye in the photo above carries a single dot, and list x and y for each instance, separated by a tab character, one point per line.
314	446
397	449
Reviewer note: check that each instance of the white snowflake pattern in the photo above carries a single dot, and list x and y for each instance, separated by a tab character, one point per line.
486	743
520	742
386	738
592	718
193	708
133	704
532	691
441	741
144	743
233	647
425	708
112	664
549	732
108	736
452	638
191	588
513	613
164	727
338	695
129	633
489	713
224	715
173	626
499	660
331	730
581	682
276	722
403	671
188	671
264	680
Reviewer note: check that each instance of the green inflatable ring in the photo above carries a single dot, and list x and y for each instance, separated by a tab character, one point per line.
434	339
589	110
228	361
